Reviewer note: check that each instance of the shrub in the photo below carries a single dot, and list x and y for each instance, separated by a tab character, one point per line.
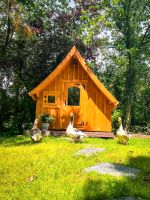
116	114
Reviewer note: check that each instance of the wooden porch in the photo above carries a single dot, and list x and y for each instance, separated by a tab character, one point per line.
90	134
99	134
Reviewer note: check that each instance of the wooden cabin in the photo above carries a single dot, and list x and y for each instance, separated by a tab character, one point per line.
72	87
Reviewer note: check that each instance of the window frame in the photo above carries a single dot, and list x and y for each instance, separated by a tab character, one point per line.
52	97
51	93
68	95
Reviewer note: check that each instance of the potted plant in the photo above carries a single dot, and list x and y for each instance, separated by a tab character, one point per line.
46	119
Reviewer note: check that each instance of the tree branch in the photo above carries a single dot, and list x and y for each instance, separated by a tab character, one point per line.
143	38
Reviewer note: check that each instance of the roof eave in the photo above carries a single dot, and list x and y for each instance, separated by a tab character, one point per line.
33	95
49	78
115	104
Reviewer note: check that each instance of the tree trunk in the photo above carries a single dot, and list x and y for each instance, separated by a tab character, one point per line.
129	90
128	114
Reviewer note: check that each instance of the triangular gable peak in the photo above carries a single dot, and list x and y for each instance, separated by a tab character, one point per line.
73	53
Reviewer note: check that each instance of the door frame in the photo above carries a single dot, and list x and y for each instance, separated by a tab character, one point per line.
70	108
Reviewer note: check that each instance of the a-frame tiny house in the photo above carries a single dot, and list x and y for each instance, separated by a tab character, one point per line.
72	87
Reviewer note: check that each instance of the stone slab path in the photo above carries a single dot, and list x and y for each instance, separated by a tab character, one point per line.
89	151
113	169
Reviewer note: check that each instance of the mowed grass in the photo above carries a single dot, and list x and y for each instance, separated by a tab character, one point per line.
58	174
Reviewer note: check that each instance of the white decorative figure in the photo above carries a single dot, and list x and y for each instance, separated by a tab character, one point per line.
121	134
75	134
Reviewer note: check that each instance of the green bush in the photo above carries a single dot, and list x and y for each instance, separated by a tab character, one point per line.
141	129
116	113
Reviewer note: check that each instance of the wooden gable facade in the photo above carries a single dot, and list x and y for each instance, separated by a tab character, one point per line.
72	87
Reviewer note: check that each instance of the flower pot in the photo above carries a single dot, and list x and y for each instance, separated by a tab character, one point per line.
45	126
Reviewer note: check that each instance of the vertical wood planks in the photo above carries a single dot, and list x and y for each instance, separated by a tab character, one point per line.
95	110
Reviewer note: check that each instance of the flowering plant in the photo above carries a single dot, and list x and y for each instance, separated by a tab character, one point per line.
46	118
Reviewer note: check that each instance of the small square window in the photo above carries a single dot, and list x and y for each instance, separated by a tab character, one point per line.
51	99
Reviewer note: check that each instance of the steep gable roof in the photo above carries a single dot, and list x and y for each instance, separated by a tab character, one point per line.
73	52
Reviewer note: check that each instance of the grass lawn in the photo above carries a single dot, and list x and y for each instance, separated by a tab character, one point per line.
57	174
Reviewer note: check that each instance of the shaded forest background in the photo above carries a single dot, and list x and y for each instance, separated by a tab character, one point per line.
112	36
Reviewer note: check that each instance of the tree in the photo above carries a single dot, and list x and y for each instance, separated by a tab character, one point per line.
31	45
122	28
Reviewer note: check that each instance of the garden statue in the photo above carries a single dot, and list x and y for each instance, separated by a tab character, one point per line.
74	134
121	134
35	124
35	132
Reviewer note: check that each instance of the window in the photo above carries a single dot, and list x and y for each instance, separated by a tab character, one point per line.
51	99
73	96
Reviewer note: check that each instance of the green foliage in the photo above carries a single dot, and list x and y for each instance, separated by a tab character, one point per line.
5	111
120	31
141	129
32	44
46	118
116	114
116	45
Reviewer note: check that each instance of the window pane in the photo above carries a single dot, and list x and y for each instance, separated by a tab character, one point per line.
51	99
74	96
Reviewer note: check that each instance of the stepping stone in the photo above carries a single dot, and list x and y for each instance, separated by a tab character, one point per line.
113	169
89	151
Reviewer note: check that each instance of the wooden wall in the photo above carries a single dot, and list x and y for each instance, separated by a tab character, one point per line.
97	109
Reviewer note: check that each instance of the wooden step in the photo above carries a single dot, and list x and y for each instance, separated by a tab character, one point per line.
91	134
100	134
